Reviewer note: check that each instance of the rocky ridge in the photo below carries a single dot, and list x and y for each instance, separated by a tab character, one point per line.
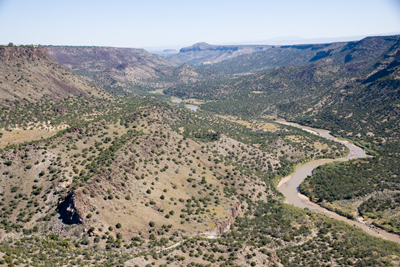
30	73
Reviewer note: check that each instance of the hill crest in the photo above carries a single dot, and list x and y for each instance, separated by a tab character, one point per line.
30	73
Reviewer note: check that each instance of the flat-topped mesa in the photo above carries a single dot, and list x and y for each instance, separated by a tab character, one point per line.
204	53
201	47
205	46
88	58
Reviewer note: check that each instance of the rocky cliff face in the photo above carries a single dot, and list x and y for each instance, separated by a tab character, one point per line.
19	53
103	58
226	225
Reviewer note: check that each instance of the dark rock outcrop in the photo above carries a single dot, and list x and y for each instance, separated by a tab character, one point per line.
69	214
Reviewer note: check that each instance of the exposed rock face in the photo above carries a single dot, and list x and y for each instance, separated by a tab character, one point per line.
225	226
69	213
31	53
85	58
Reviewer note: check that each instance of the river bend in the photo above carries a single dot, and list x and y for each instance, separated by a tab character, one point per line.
290	184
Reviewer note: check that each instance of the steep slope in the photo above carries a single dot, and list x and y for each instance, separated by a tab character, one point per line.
137	62
123	71
30	73
348	68
273	57
118	70
354	92
185	74
203	53
367	112
140	180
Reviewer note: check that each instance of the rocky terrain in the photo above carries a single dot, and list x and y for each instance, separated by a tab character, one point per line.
349	88
93	179
30	73
117	69
275	56
126	71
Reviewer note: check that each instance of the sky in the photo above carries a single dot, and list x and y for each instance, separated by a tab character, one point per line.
176	23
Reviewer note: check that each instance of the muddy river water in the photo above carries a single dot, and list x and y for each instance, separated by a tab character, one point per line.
190	106
289	185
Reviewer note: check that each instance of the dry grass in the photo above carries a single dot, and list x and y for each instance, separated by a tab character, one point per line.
320	146
158	91
17	136
294	138
30	73
269	127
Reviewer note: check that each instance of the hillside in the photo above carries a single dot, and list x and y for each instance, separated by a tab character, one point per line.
272	57
349	67
124	71
136	181
203	53
30	73
118	70
354	92
148	176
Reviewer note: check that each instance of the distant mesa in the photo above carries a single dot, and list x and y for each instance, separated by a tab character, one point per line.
170	51
202	52
196	47
205	46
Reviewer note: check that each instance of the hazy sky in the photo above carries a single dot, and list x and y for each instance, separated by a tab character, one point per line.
124	23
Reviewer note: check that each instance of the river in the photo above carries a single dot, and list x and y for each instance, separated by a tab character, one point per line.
290	184
179	100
